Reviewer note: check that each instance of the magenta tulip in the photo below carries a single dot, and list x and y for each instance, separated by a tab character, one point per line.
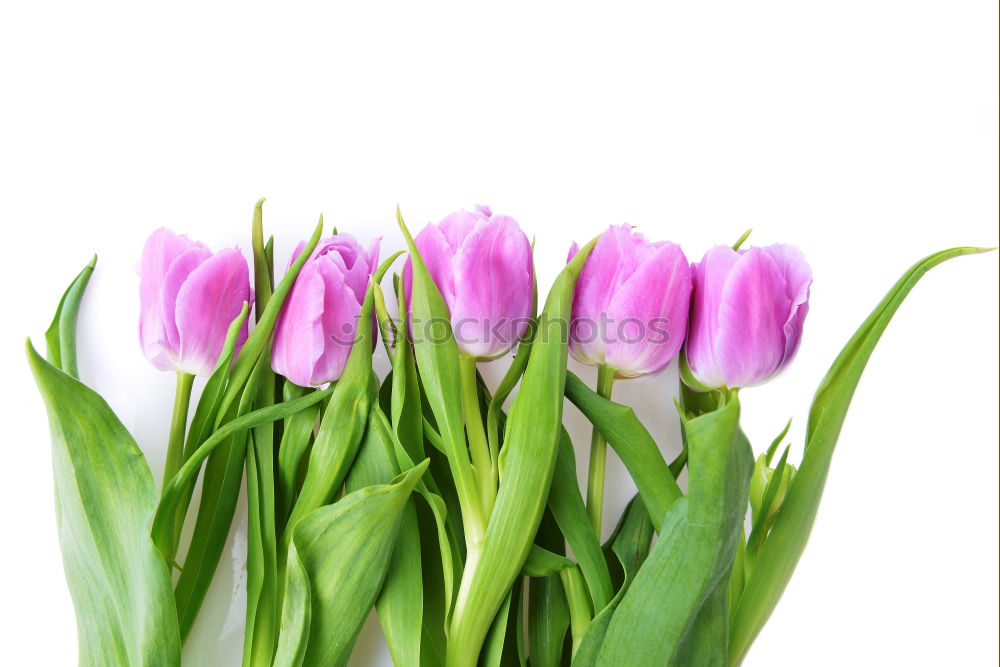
630	308
316	328
747	315
188	298
482	265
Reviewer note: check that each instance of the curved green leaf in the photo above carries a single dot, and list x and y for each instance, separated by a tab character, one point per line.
787	538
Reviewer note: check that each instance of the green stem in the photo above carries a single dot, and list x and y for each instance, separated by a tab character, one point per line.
178	427
598	456
479	447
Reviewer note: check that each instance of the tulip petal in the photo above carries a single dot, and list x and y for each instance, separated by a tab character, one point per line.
650	313
437	253
339	322
750	342
298	334
708	279
798	278
162	248
493	288
209	300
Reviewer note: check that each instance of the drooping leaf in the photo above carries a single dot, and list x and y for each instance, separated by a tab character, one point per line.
337	561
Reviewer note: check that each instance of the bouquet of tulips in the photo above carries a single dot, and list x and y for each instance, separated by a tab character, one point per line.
427	495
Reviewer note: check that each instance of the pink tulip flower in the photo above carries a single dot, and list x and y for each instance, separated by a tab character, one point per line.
482	265
317	325
746	319
188	298
630	308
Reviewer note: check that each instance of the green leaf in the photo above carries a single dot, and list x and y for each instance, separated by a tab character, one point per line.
654	619
630	544
337	561
400	602
407	404
120	585
633	444
548	613
295	438
60	337
527	461
163	521
205	414
566	503
788	536
438	360
224	469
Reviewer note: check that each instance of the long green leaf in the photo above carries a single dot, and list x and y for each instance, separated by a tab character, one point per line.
120	585
787	539
337	561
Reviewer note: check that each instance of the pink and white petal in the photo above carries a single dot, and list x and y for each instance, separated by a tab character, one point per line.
750	342
708	279
339	322
437	254
161	248
649	314
173	280
798	278
207	303
493	288
298	334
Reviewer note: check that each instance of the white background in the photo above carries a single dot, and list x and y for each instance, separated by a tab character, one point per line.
863	131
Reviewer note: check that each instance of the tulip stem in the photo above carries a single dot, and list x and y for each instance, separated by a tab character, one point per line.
479	447
598	456
178	427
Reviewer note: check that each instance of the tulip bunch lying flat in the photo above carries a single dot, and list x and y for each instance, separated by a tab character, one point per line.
417	494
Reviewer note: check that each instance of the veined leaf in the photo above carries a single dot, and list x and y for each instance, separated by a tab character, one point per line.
787	538
338	558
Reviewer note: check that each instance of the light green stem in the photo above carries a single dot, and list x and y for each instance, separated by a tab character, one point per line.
479	447
598	456
178	428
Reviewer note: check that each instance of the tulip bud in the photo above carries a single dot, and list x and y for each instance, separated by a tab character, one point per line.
630	308
482	265
318	322
188	297
747	314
